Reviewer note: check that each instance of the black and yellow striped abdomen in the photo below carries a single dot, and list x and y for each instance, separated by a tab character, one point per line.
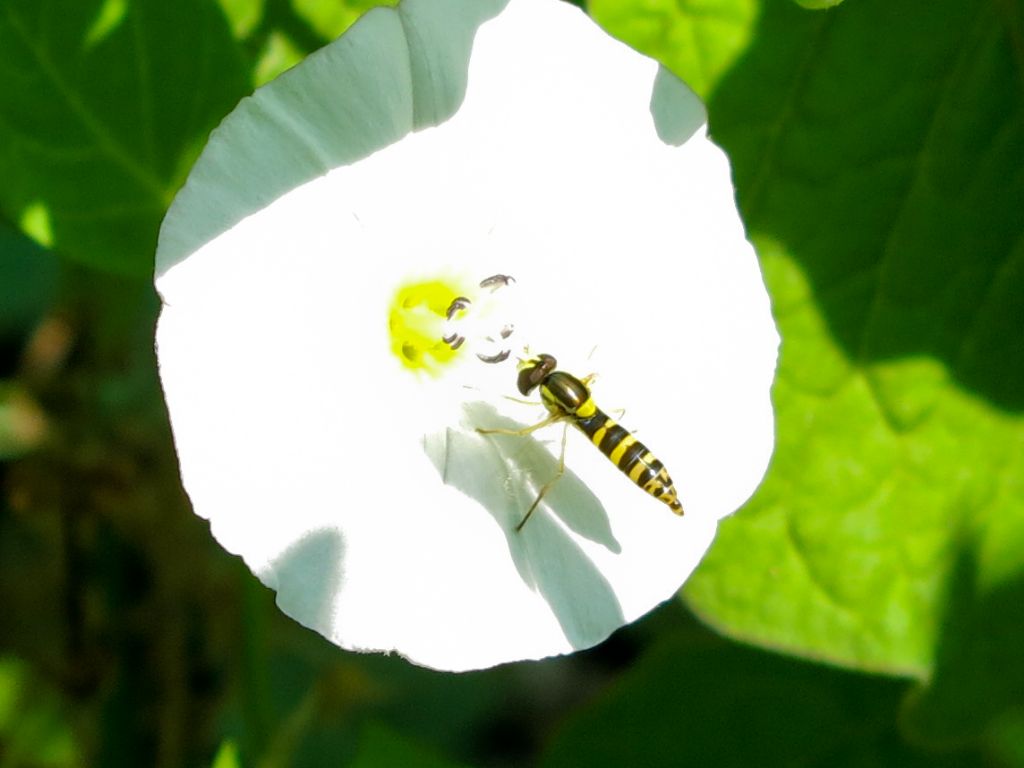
631	456
566	396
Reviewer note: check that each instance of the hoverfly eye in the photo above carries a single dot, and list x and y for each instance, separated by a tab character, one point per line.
528	379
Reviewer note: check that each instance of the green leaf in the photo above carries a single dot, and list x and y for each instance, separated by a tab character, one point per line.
884	194
34	729
698	40
698	701
978	676
331	19
1007	740
278	55
28	285
227	756
243	15
381	747
103	106
817	5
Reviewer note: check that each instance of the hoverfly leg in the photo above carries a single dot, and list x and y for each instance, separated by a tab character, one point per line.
547	486
525	430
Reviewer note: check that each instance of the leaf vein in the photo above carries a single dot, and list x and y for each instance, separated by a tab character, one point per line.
90	122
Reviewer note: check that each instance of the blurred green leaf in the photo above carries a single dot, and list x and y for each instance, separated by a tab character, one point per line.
28	284
31	579
34	730
381	747
22	422
278	55
243	15
1007	740
331	19
227	756
699	701
817	5
103	106
317	699
884	194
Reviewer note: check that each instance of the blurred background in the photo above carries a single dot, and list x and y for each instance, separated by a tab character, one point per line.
866	607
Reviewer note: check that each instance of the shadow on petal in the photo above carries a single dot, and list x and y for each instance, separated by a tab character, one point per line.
580	596
504	473
677	111
307	576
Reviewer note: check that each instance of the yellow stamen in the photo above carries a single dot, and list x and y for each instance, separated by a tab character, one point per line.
417	322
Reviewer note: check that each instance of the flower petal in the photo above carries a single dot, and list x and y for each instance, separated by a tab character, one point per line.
362	492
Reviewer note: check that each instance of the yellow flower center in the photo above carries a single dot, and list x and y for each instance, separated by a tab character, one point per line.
417	323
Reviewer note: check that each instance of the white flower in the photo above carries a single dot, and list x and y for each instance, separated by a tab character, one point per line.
330	435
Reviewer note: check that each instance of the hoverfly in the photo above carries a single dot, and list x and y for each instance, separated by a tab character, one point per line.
568	398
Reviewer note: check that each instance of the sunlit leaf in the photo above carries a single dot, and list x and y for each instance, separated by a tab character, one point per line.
331	19
698	40
884	193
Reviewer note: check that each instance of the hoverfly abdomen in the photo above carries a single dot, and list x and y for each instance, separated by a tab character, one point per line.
568	398
631	457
